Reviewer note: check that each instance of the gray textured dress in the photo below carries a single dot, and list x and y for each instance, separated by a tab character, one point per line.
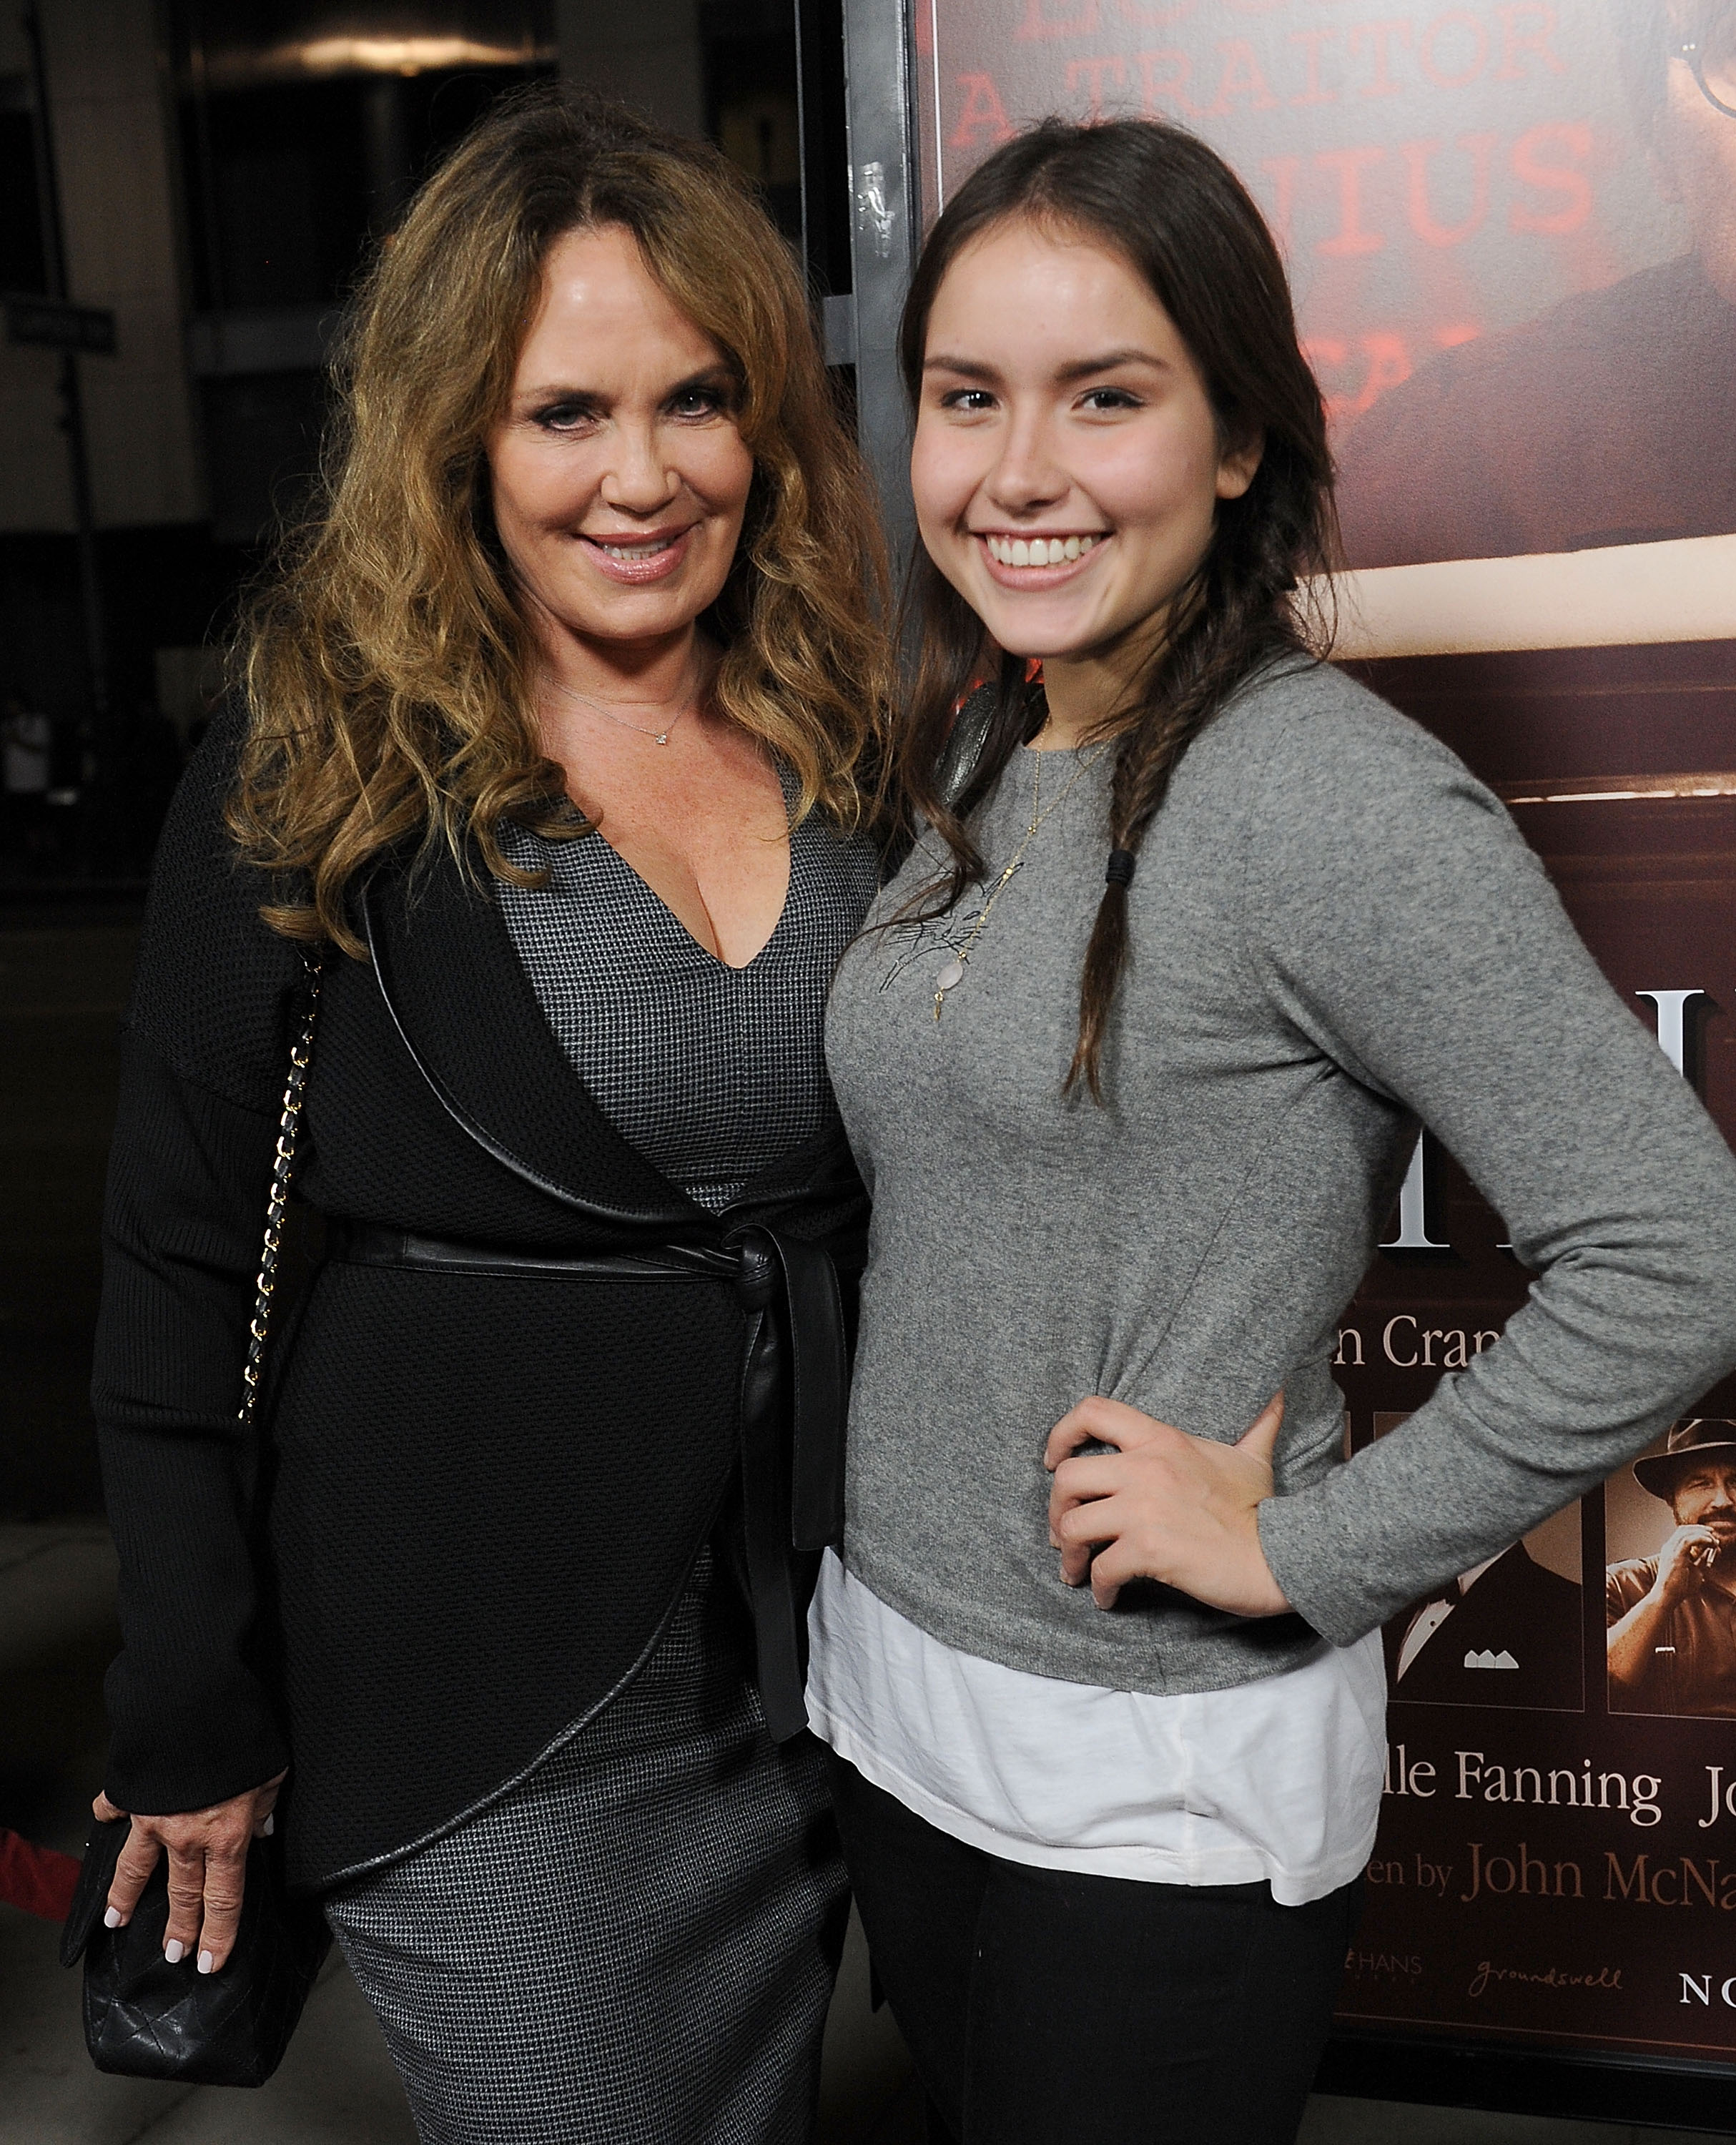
636	1944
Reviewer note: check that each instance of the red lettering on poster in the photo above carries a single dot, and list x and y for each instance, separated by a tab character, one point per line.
1350	238
1242	76
1530	168
983	113
1092	72
1388	364
1155	18
1518	38
1417	156
1038	27
1379	36
1312	40
1169	87
1427	55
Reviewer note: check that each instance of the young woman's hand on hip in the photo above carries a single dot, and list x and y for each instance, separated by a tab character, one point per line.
1162	1505
207	1852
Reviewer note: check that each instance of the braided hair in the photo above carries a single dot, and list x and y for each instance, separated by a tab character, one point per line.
1170	206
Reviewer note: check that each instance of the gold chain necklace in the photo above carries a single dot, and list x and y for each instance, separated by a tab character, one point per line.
952	974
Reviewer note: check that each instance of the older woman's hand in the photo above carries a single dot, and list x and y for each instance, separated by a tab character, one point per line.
207	1852
1163	1506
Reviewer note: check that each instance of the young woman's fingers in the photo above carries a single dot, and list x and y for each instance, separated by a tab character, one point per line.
1093	1519
1102	1421
1083	1532
226	1876
1111	1569
1077	1482
187	1900
132	1871
1261	1438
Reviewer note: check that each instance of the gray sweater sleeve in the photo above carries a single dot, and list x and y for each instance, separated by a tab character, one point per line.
1400	922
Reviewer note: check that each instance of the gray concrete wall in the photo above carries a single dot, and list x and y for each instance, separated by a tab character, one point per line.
111	116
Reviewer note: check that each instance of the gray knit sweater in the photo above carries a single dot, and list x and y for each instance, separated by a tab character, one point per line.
1335	931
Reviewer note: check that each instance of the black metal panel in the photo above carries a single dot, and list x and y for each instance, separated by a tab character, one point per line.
884	238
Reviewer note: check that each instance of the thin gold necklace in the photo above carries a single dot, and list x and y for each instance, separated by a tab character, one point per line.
952	974
662	736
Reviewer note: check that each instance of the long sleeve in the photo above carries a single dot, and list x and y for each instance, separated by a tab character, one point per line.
191	1718
1401	923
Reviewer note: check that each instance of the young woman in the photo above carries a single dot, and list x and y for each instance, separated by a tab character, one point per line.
553	733
1132	1056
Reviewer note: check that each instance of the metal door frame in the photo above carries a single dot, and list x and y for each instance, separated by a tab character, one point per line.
885	208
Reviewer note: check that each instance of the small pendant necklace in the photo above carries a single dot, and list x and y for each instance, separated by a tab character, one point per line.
952	974
638	730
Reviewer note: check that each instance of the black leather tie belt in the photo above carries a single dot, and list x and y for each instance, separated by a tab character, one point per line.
795	1391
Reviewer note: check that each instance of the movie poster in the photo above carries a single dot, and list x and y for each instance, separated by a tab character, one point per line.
1511	229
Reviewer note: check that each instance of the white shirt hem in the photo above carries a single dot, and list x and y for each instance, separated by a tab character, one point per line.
1244	1865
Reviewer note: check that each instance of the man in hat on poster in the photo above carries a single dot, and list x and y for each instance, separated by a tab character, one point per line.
1672	1617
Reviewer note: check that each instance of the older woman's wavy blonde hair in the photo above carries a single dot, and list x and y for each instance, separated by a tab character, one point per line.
387	667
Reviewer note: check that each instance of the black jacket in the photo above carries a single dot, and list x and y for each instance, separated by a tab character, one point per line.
1516	1639
478	1490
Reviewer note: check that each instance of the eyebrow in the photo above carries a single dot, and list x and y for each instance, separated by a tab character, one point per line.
1082	368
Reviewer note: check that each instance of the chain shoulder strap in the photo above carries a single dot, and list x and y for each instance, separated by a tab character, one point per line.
283	1169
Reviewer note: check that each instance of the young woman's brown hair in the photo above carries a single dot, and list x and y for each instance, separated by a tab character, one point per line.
386	663
1177	212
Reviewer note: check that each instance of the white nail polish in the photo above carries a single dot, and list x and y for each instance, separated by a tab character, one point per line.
270	1825
204	1962
174	1951
111	1919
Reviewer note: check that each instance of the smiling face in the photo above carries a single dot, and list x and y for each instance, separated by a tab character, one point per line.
1704	1496
618	476
1068	464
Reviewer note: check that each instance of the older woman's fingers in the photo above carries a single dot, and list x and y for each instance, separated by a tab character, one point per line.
103	1810
132	1872
187	1900
226	1876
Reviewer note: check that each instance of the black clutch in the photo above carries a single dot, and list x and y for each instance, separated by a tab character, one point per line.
145	2018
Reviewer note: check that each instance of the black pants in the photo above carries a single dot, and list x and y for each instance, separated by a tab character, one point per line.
1039	2005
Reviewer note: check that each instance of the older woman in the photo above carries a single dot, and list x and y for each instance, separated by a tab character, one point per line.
554	735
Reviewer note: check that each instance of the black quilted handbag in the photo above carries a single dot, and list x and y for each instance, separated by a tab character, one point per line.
143	2017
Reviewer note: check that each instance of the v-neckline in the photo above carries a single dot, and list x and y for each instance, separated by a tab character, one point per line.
439	952
717	961
728	967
